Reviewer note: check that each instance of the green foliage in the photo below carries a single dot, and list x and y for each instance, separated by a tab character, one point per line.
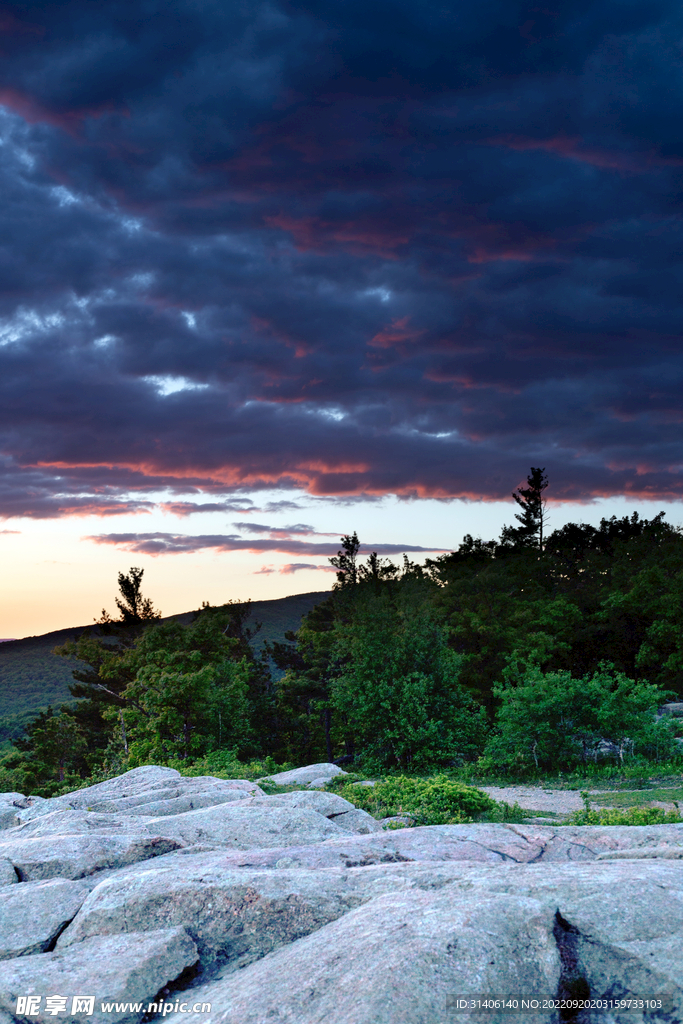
225	764
635	772
497	607
304	716
639	797
435	801
615	816
613	593
552	720
398	688
32	678
54	751
187	695
523	656
222	764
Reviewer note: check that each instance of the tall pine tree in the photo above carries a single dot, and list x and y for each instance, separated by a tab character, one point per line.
533	517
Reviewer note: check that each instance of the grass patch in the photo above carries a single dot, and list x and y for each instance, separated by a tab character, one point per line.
629	815
639	797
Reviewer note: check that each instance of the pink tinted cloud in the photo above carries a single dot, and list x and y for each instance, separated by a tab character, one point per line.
573	148
292	567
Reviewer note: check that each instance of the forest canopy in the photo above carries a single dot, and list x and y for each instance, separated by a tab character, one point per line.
536	651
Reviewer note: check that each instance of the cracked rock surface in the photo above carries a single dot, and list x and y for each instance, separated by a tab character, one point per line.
298	909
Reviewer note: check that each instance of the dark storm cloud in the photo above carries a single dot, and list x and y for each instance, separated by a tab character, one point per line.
354	249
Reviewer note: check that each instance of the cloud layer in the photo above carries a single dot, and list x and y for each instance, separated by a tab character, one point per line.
354	249
176	544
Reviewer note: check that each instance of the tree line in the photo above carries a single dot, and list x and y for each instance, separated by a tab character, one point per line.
536	651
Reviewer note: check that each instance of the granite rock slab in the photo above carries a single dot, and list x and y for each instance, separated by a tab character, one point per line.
33	915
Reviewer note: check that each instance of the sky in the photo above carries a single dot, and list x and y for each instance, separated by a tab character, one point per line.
271	272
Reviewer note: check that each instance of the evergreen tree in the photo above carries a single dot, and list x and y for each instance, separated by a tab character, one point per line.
189	693
54	746
533	517
134	609
345	562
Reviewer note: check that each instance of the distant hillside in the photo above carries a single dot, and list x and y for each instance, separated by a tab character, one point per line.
32	677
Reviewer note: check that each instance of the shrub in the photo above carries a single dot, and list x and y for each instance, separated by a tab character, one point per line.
435	801
551	720
224	764
632	816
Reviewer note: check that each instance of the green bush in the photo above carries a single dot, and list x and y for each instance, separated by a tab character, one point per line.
632	816
224	764
435	801
551	720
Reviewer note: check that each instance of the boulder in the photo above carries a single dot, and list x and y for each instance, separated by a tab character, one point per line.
184	794
147	791
33	915
76	856
11	804
238	915
618	926
177	804
7	873
327	804
663	852
8	816
359	822
301	776
131	783
444	932
245	825
332	806
8	812
403	958
233	916
77	822
121	968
